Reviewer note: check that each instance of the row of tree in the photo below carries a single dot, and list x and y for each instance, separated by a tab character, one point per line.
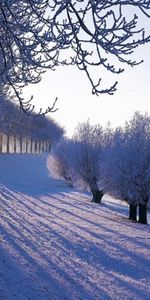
109	161
14	122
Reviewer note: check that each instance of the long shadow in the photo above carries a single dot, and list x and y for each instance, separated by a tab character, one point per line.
65	287
53	204
84	229
88	207
80	247
92	206
103	237
27	207
96	256
28	243
18	283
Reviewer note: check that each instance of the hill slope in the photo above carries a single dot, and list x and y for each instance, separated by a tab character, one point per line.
56	244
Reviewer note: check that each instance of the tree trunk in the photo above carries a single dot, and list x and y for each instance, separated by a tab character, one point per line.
31	146
133	212
20	140
15	144
1	142
27	143
49	147
97	196
143	213
42	146
35	147
7	144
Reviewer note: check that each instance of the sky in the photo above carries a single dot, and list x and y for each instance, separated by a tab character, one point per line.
77	104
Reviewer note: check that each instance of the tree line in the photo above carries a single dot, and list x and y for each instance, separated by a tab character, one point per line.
106	160
14	122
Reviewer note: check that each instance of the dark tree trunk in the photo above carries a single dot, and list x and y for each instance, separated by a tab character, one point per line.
133	212
31	146
35	147
49	147
27	143
7	144
97	196
69	181
42	146
143	213
1	143
15	144
20	140
39	146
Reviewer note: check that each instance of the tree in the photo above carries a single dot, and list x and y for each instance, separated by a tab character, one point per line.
27	48
61	160
89	142
44	34
16	123
128	165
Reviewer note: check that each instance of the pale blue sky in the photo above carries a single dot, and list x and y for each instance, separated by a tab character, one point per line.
76	102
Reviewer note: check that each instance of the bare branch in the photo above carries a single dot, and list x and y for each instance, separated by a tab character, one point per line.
36	36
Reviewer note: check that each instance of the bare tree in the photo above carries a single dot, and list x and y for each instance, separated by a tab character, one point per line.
44	34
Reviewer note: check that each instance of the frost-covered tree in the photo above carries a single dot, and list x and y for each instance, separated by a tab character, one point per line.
128	165
61	160
44	128
89	140
16	123
43	34
26	45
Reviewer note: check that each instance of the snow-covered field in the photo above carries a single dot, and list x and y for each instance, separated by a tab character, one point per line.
56	244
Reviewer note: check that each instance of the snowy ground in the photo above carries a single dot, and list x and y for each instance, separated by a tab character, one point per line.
56	244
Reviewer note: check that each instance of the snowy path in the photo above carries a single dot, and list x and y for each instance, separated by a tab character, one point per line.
55	244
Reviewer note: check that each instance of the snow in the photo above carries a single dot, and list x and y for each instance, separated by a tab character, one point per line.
56	244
